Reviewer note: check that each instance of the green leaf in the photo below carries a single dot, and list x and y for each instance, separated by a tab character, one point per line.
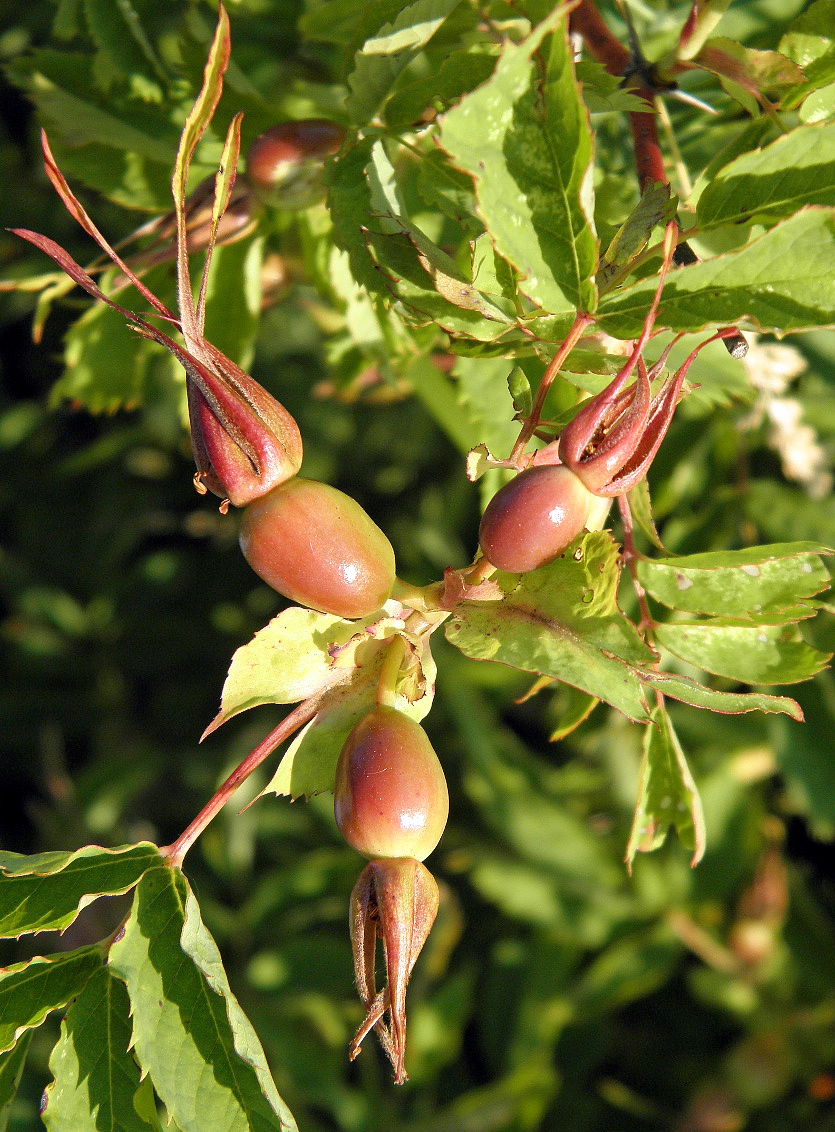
640	508
773	182
575	708
757	72
123	149
811	34
48	890
429	296
106	366
233	299
562	621
459	72
387	53
486	402
524	138
654	208
667	794
11	1071
309	764
737	650
726	703
443	187
736	583
781	282
30	991
125	52
349	202
95	1078
189	1032
300	654
520	390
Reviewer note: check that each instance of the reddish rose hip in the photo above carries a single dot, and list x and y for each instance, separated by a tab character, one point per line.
390	797
317	546
533	518
286	162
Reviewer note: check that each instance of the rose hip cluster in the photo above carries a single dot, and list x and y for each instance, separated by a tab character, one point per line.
318	547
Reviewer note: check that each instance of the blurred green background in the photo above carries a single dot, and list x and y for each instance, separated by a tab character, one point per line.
556	992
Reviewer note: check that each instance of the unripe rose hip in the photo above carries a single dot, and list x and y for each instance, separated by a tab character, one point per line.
317	546
390	797
533	518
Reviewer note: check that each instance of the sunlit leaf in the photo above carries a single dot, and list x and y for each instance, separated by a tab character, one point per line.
782	282
95	1078
667	795
524	138
750	654
736	583
189	1032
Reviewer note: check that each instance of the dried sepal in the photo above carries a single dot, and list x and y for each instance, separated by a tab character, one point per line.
396	900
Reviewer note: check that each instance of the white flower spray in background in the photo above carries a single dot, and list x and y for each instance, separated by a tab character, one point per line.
771	368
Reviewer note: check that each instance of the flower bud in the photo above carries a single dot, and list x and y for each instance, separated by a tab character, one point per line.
396	900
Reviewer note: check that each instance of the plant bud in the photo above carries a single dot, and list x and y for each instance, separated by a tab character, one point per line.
390	797
317	546
533	518
397	901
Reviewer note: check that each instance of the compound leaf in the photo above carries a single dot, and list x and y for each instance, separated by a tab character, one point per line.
189	1032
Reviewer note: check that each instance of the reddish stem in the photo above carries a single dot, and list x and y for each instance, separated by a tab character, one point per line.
175	853
601	44
581	321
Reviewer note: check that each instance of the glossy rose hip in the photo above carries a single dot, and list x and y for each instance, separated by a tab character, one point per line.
390	797
533	518
317	546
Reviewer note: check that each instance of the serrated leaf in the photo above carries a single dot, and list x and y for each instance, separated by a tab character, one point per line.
524	138
486	402
106	366
748	654
95	1078
736	583
189	1032
387	53
30	991
773	182
309	764
345	21
667	794
299	654
781	282
46	891
757	72
725	703
491	274
563	621
11	1070
443	187
604	93
810	36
